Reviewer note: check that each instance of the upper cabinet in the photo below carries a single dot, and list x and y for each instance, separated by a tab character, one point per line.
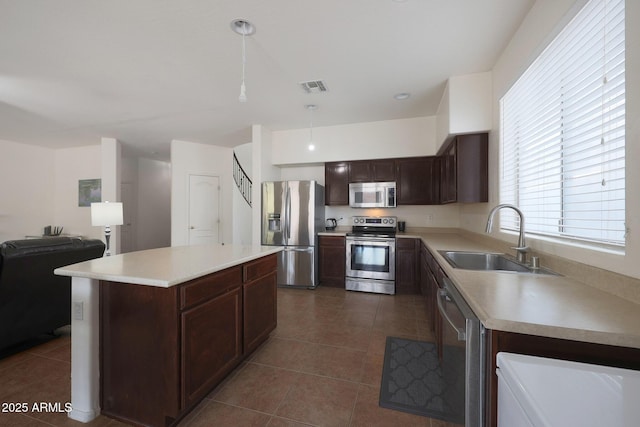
465	107
380	170
418	181
336	183
464	175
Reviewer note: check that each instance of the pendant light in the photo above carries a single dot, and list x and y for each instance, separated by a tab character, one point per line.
244	28
311	108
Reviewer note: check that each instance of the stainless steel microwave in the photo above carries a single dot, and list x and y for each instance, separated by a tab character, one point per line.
372	194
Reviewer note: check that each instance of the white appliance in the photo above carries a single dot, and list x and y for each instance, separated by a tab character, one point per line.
372	194
541	392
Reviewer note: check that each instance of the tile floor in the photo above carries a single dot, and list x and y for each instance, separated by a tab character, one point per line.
322	366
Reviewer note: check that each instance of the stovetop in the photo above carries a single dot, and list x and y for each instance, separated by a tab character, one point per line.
373	226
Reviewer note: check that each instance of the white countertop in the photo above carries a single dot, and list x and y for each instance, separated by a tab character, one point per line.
166	267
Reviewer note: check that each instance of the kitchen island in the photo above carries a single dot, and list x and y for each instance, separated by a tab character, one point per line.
154	331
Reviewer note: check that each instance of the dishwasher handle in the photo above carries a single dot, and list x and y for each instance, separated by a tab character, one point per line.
443	296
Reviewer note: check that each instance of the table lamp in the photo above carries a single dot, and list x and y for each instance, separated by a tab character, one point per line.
106	214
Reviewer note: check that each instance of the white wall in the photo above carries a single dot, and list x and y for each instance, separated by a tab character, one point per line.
111	158
242	212
27	190
72	165
371	140
153	229
200	159
543	22
262	170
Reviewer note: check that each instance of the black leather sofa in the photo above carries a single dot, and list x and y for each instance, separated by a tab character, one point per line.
33	300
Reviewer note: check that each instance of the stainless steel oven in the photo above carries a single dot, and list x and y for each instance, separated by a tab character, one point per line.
371	255
463	354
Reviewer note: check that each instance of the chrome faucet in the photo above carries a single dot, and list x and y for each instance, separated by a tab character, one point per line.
522	248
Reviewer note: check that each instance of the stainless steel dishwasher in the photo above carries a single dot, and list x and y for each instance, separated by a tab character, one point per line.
463	353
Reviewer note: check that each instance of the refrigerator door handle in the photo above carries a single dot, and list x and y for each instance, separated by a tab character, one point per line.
288	215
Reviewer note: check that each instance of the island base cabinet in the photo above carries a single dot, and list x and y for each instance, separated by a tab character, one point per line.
260	310
162	350
211	344
139	361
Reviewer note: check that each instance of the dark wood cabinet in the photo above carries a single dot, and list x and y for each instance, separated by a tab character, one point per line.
178	343
464	173
418	181
331	260
139	350
407	266
432	282
382	170
336	183
260	306
211	344
459	173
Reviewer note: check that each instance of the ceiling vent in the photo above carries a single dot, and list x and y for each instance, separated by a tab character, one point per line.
314	86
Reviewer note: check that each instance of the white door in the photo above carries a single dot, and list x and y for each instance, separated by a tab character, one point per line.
204	209
127	232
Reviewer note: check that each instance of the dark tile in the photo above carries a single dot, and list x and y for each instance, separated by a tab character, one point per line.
257	387
367	412
319	401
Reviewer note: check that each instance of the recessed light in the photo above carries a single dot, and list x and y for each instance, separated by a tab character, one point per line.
401	96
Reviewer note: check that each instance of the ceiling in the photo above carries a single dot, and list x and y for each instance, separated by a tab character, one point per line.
149	71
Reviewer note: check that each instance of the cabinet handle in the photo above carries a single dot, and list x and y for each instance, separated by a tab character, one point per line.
442	297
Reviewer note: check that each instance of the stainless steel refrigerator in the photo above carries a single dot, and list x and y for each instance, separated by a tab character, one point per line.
292	216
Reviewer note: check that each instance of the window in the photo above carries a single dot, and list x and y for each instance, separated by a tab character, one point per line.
563	133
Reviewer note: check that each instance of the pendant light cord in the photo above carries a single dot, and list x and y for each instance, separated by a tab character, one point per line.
243	95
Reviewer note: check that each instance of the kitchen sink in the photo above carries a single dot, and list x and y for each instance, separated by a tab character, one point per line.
487	261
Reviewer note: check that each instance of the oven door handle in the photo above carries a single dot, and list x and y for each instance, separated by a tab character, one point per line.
385	240
443	296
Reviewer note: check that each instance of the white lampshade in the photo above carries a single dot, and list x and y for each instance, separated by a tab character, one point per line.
105	214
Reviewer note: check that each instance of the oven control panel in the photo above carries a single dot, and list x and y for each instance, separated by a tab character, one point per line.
374	221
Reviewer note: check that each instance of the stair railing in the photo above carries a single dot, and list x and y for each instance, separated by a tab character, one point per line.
243	182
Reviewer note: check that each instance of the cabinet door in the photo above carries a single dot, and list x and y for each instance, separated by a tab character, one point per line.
336	183
360	171
407	266
448	181
383	170
418	181
331	260
260	310
211	344
138	336
471	168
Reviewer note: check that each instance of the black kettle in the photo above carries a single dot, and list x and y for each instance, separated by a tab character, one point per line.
331	224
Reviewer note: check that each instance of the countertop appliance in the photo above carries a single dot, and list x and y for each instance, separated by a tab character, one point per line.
541	392
331	224
463	352
372	194
371	255
292	216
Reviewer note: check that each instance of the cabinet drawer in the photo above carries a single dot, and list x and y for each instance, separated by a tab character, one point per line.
406	243
337	241
204	288
258	268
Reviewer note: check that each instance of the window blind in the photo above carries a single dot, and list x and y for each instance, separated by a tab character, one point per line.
563	132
